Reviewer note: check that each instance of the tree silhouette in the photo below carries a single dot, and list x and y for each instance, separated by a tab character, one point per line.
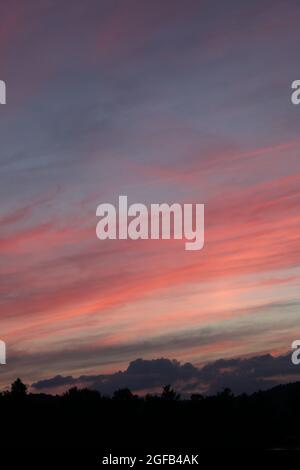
226	394
169	394
82	394
18	389
197	397
123	394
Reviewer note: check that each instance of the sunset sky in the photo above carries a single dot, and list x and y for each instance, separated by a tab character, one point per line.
162	101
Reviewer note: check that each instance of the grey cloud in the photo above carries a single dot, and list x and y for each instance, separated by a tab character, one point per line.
241	375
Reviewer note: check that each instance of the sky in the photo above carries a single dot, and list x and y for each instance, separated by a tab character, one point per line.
163	102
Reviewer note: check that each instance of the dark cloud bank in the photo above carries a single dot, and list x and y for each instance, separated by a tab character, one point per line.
241	375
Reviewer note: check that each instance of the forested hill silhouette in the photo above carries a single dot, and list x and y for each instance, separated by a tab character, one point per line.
83	418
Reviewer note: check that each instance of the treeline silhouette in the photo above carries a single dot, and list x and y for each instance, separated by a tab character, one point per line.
83	418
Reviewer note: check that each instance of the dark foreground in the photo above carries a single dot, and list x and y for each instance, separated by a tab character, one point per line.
83	419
